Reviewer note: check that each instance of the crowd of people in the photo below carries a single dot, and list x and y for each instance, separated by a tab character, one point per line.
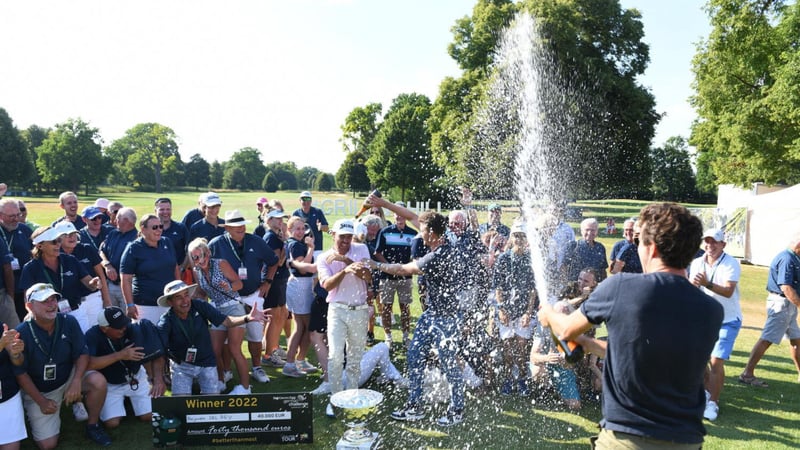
102	305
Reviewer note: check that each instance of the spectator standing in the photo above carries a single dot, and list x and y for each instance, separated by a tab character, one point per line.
113	210
147	265
94	233
646	401
495	221
193	215
174	231
783	299
17	237
23	216
277	276
92	301
394	246
313	216
587	252
247	255
624	256
211	225
111	251
69	203
717	274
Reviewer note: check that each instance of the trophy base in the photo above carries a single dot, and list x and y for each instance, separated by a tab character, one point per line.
373	443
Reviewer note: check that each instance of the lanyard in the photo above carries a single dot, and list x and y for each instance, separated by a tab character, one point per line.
91	240
715	266
60	274
114	350
49	354
236	252
190	338
9	243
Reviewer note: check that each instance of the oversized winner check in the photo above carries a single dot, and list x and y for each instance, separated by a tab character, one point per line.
275	418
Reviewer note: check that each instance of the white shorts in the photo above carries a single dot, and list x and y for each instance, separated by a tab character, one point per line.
115	398
80	315
13	429
255	330
300	294
93	304
514	328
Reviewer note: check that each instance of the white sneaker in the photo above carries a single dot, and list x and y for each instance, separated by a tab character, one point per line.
281	352
227	376
322	389
329	411
712	411
240	390
79	411
259	374
306	366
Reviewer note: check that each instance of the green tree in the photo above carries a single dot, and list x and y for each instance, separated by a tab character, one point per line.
747	94
153	144
673	179
215	174
306	177
14	154
285	173
33	136
592	50
270	183
352	174
197	172
360	128
324	182
71	156
400	154
248	161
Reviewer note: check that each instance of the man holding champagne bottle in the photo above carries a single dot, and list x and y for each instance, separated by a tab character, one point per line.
661	330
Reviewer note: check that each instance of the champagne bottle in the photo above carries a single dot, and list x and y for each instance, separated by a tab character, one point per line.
366	206
572	351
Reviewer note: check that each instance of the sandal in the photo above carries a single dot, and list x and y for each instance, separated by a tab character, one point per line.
753	381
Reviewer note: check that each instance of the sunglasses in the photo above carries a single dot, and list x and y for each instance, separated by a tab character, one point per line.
157	227
198	257
113	211
305	199
23	209
96	218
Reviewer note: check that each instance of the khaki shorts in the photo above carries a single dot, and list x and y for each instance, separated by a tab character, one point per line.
401	287
608	440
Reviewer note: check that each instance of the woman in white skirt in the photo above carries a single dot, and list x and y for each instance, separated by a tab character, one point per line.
299	295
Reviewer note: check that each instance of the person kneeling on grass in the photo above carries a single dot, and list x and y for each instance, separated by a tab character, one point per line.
54	369
184	332
131	358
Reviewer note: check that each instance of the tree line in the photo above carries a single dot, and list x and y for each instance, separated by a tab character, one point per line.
747	97
71	155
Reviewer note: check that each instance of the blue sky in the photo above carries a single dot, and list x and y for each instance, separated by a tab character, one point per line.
279	76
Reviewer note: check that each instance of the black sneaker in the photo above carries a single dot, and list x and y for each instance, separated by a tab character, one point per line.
409	413
450	419
370	339
98	435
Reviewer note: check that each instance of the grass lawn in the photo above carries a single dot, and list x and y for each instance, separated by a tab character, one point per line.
750	418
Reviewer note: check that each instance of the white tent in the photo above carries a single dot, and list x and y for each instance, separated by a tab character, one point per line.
772	219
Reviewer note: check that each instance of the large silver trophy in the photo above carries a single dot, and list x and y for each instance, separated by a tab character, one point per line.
357	405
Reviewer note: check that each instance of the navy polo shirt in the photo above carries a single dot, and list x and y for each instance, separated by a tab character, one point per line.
78	222
5	258
314	214
20	245
254	254
296	249
395	246
784	269
275	243
203	229
95	241
141	334
88	257
191	217
179	335
114	246
7	378
179	236
66	280
63	348
152	268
